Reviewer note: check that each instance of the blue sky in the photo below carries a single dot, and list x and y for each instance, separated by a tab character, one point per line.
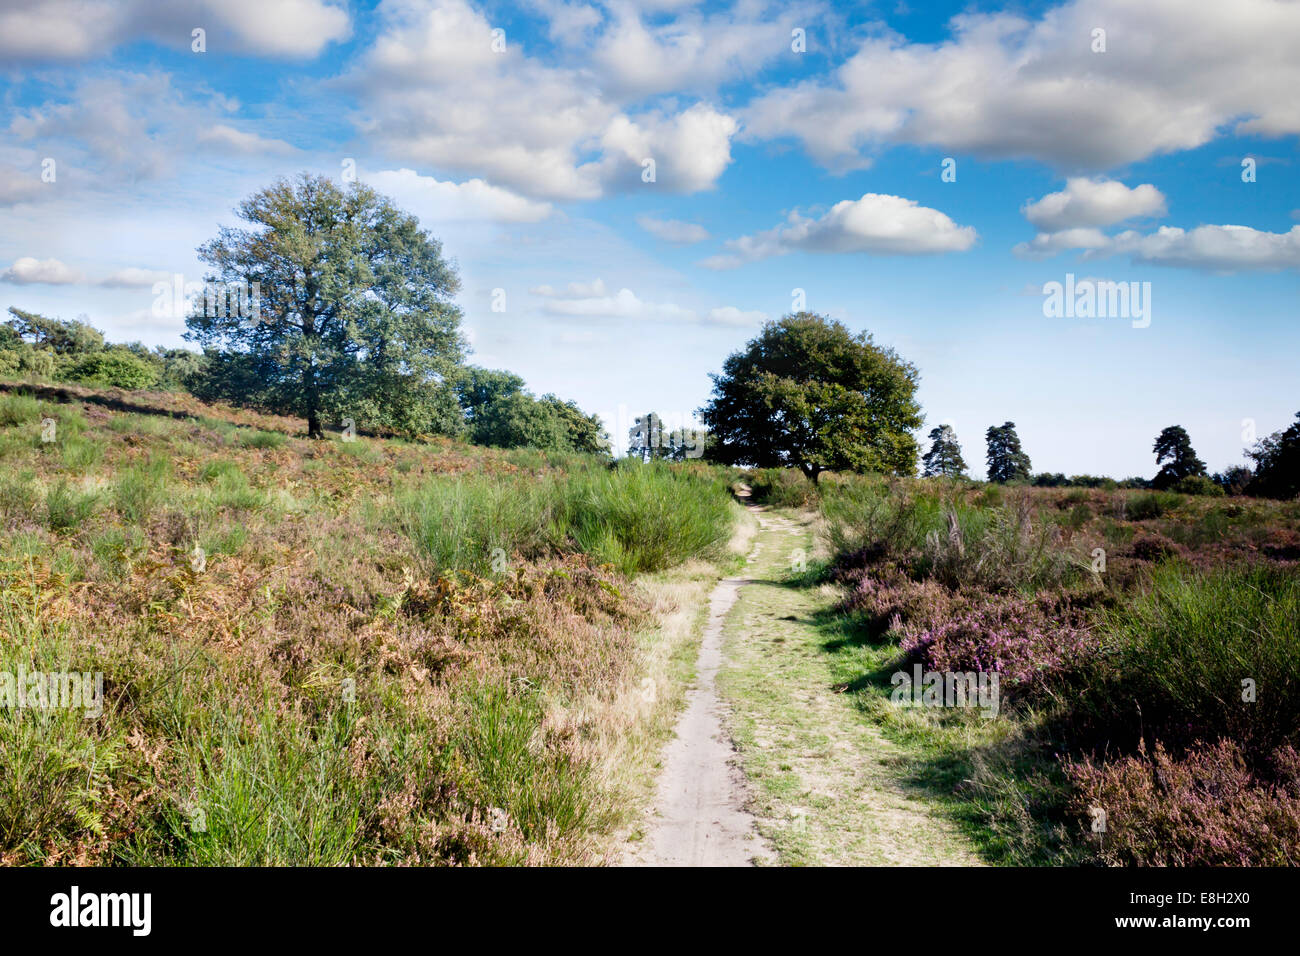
775	170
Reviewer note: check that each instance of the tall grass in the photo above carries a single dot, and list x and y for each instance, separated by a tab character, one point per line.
642	518
1177	658
141	489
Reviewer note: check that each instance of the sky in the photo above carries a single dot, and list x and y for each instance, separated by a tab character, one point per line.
630	190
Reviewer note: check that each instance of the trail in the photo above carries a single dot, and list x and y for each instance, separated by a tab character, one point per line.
700	804
820	783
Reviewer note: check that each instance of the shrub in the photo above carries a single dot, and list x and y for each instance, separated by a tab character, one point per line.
642	518
1176	659
1197	485
116	368
1020	639
1153	505
66	509
17	408
1205	809
647	518
261	439
141	489
782	488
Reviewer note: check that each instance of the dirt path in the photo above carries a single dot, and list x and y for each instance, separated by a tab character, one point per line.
700	817
820	784
828	788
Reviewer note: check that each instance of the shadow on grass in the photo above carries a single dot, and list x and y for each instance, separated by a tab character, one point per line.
118	403
998	794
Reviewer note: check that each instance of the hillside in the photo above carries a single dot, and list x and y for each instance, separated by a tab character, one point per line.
323	652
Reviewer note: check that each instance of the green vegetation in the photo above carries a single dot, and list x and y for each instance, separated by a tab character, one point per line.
806	393
308	656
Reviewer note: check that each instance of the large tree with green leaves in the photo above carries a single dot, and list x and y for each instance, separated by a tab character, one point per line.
944	457
354	313
1175	456
1277	463
809	394
1007	461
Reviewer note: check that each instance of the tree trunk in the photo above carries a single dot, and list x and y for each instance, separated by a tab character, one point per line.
313	425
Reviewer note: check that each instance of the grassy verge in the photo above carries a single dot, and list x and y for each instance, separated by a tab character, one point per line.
827	787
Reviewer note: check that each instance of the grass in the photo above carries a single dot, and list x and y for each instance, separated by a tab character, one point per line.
320	691
644	518
66	508
828	787
1189	612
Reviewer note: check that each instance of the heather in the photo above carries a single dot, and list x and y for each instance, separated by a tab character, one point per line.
1147	645
329	652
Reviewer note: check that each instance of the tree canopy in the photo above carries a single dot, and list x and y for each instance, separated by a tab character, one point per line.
1007	461
353	311
1177	459
944	457
1277	463
807	393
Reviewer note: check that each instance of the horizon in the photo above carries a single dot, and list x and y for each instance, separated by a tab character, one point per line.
775	172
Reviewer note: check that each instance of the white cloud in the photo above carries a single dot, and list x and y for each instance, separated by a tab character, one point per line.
473	200
17	185
82	29
238	141
437	95
673	230
134	278
730	315
578	290
877	223
592	302
1213	248
1174	75
1050	243
29	271
693	51
1093	202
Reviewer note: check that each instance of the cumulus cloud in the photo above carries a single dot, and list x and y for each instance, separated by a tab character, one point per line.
134	278
82	29
438	201
231	140
1213	248
1093	202
1004	86
673	230
577	290
877	223
438	95
693	50
590	301
1050	243
30	271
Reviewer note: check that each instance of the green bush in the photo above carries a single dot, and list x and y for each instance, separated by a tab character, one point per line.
18	408
261	439
1197	485
1153	505
782	488
115	368
643	518
67	509
141	489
